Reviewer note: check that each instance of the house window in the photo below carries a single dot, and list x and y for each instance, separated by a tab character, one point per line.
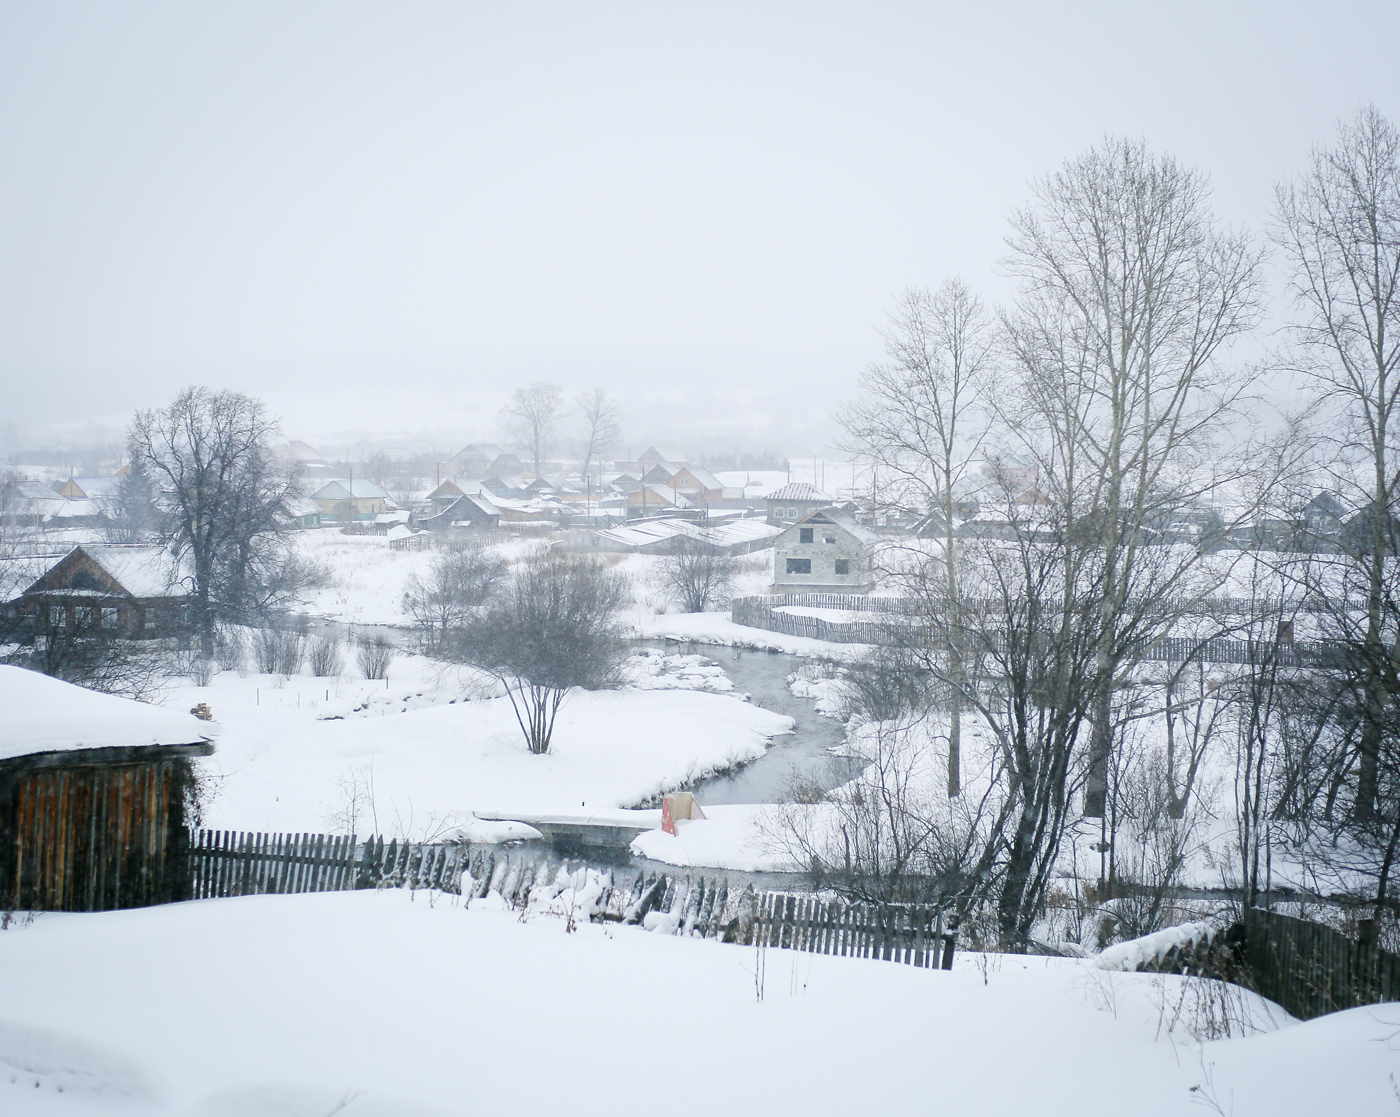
843	566
109	616
55	616
799	566
804	535
829	538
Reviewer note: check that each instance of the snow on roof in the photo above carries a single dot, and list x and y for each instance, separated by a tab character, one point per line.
99	486
41	714
704	476
398	516
354	487
653	531
800	490
140	570
741	531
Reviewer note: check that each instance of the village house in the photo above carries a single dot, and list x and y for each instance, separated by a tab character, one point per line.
133	591
824	552
697	485
647	500
351	499
795	501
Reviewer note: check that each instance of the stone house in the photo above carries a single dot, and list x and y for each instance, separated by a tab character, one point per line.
795	501
824	552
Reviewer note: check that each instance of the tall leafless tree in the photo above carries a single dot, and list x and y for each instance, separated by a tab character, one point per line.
532	416
1130	293
223	498
920	422
1339	225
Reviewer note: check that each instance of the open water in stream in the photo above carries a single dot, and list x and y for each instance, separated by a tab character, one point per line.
804	754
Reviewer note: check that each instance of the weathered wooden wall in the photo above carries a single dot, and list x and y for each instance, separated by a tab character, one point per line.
93	837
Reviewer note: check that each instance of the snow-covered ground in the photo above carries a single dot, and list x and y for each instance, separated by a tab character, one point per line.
391	1004
420	754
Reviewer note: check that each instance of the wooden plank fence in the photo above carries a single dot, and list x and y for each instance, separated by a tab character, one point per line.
703	905
1312	970
766	612
235	863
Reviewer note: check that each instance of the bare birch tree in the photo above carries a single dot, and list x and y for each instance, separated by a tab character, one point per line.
1339	225
919	422
1130	294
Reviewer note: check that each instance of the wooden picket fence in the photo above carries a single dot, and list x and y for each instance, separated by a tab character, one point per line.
236	863
702	905
913	934
1312	970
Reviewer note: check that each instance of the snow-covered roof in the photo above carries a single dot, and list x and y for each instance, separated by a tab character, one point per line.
353	487
41	714
741	531
653	531
142	571
799	490
704	476
398	516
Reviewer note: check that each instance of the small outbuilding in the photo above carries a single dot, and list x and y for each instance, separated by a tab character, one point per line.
96	794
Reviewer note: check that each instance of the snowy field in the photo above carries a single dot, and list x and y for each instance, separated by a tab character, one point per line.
391	1004
419	755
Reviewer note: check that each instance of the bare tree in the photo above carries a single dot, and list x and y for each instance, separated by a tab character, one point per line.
1339	224
554	625
457	581
374	655
600	418
922	417
532	415
1130	294
223	501
698	576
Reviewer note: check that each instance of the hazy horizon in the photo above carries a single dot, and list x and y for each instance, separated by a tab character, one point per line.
382	219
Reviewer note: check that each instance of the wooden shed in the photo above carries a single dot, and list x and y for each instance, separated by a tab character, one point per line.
95	794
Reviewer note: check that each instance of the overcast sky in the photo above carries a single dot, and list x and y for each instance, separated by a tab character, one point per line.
382	217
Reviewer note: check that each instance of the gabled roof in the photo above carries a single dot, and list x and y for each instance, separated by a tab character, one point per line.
345	489
839	519
140	570
707	479
652	454
799	490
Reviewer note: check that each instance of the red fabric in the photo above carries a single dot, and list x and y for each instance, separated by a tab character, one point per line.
667	822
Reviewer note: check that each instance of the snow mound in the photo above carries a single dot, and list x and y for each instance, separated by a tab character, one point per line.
1137	953
58	1063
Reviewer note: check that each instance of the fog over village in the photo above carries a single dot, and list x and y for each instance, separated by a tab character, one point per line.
745	558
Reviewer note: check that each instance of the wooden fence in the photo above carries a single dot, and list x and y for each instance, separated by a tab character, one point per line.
702	905
766	612
1312	970
235	863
